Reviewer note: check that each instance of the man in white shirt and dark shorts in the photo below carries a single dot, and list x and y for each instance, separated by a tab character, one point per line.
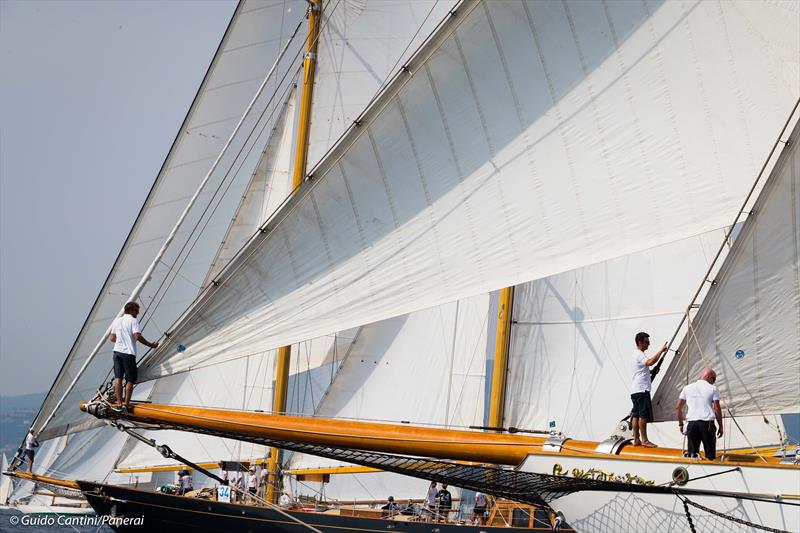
642	411
125	332
702	397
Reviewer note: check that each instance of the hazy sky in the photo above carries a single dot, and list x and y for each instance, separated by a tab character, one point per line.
91	97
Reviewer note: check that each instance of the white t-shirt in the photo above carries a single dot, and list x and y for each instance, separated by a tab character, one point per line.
186	481
430	499
480	499
699	397
124	327
641	373
30	442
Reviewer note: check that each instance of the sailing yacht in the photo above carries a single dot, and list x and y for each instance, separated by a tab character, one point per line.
514	141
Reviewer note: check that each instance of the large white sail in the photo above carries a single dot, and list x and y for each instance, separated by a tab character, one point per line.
748	327
251	44
472	172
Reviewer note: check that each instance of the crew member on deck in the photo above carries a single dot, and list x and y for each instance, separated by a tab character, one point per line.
642	411
125	332
391	506
479	510
702	397
444	503
430	500
184	482
31	443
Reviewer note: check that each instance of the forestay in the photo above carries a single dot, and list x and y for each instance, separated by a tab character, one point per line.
251	44
748	327
525	139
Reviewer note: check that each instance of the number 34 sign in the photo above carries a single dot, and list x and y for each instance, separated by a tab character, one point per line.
224	493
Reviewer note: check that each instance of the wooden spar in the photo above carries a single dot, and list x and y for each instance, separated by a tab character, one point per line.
332	470
298	175
66	483
500	368
459	445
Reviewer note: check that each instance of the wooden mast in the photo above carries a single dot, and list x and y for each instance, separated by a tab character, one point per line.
500	368
300	162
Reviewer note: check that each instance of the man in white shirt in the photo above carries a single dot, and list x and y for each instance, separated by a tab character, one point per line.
702	397
30	449
430	500
125	332
642	411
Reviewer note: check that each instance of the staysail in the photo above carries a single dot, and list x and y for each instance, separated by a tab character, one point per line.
748	327
469	173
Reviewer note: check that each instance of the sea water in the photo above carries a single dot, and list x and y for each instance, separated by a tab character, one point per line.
13	521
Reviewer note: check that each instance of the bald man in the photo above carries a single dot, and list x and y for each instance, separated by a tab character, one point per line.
702	397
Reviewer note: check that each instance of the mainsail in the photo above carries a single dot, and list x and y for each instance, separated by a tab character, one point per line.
513	146
748	327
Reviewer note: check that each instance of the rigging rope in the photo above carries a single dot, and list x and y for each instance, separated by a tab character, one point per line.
687	502
167	453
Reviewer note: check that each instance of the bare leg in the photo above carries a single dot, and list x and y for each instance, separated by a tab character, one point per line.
118	389
635	427
128	392
643	431
30	464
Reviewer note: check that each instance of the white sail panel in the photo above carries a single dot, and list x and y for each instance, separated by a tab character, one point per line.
528	139
748	327
269	187
361	43
257	32
427	367
5	482
572	334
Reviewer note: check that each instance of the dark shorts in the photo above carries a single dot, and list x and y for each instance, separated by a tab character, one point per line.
642	406
29	454
479	510
125	365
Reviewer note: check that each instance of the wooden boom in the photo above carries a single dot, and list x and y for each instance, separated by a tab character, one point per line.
458	445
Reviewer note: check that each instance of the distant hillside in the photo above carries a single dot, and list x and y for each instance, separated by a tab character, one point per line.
16	415
23	401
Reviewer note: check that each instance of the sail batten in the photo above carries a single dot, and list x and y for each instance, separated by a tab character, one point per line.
431	197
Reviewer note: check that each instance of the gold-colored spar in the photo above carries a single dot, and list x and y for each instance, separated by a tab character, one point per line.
66	483
211	465
458	445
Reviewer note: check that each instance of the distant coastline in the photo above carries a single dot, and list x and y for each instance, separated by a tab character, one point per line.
16	415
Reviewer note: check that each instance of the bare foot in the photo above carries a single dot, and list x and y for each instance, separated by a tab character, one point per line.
636	443
648	444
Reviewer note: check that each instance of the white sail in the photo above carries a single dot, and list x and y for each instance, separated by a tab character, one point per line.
427	367
361	43
572	334
748	327
251	44
572	341
468	174
268	189
5	482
